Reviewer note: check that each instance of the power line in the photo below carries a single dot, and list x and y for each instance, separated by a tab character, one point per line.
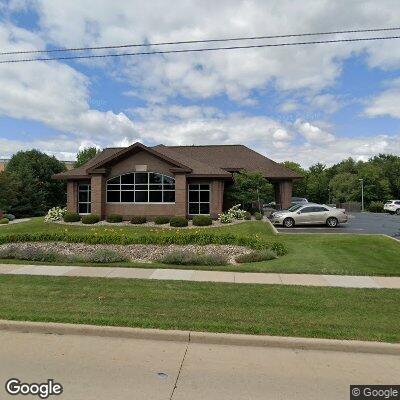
200	41
143	53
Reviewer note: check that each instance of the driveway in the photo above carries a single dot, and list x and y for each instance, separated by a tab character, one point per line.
102	368
367	223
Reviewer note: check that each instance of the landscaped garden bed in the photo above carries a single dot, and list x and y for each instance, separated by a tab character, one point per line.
343	254
109	253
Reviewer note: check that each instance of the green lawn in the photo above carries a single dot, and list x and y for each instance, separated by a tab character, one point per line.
362	314
345	254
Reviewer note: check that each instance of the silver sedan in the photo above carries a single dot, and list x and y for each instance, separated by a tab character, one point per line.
309	214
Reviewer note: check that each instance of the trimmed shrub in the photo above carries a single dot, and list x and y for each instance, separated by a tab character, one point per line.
258	216
187	258
4	221
32	254
178	222
71	217
10	217
376	206
105	256
256	256
167	237
138	219
90	219
247	215
162	220
114	218
202	220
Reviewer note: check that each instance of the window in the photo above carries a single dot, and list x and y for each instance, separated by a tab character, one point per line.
313	209
84	199
141	187
307	210
199	199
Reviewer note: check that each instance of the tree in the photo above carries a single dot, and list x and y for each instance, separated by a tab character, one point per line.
299	187
85	155
344	187
36	191
389	164
318	184
250	188
8	191
376	185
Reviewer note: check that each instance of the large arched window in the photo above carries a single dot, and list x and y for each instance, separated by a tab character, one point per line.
141	187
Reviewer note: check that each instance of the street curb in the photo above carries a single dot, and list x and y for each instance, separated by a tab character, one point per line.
348	346
272	226
93	330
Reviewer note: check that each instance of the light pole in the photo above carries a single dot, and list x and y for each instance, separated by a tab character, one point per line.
362	194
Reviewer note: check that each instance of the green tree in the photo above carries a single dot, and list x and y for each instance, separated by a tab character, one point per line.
84	155
36	191
299	187
344	187
389	164
250	188
376	185
8	191
318	184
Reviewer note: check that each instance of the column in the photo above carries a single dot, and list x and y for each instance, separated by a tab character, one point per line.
98	195
285	191
217	197
72	196
181	197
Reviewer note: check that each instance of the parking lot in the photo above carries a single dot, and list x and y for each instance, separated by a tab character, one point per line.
363	223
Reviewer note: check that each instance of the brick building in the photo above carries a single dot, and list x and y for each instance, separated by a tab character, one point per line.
167	180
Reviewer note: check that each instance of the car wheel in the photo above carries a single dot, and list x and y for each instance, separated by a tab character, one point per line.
398	211
288	222
332	222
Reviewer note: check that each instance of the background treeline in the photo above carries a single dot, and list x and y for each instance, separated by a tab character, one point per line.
341	182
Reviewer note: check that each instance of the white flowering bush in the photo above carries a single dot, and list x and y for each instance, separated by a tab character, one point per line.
233	213
225	218
55	214
236	212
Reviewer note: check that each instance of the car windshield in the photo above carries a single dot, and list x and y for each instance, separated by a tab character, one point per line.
295	207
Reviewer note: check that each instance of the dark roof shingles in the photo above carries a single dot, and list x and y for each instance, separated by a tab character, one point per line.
204	160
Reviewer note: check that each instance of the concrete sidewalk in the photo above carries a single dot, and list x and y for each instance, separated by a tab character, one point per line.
375	282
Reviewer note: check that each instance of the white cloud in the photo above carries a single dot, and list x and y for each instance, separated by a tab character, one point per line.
387	102
52	93
313	133
235	73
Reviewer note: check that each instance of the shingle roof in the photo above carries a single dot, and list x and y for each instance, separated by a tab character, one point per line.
212	160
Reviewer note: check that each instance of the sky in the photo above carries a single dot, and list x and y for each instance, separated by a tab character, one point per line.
308	104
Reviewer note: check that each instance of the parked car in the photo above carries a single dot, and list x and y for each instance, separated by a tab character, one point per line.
298	200
295	200
309	214
392	207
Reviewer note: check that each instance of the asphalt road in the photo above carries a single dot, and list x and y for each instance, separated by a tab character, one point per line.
358	223
111	368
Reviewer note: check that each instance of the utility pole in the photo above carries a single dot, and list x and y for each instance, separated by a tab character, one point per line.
362	194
